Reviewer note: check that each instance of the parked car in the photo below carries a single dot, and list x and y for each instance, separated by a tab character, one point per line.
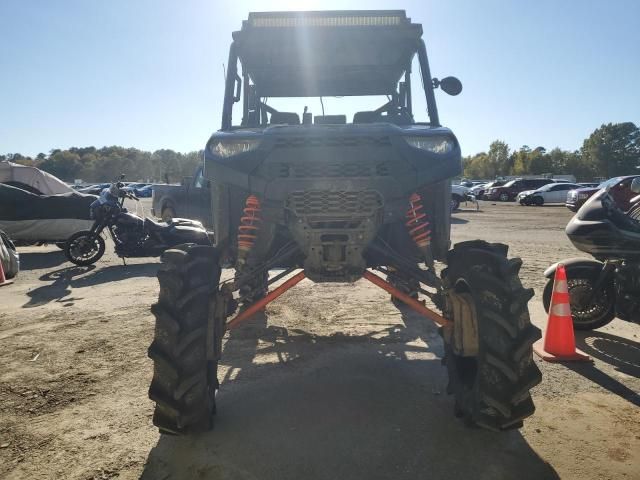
550	193
480	190
577	197
509	191
145	192
191	199
459	194
30	218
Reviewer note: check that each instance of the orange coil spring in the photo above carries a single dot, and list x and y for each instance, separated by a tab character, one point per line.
249	224
417	223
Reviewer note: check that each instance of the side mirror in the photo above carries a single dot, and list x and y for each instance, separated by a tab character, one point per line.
635	185
450	85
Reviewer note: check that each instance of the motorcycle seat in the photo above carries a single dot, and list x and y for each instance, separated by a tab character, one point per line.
152	225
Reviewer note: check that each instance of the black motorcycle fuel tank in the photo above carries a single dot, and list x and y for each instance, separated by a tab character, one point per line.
129	219
596	230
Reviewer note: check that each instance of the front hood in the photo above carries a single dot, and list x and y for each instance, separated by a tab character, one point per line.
331	130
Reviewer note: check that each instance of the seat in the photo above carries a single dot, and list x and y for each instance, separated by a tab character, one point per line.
151	225
365	117
286	118
330	119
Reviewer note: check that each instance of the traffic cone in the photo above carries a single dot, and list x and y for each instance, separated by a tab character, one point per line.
559	343
3	279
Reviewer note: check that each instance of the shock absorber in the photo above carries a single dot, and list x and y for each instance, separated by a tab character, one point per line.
417	223
248	228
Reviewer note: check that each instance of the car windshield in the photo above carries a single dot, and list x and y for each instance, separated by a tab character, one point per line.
610	182
509	184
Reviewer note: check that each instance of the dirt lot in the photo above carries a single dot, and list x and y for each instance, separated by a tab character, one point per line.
332	382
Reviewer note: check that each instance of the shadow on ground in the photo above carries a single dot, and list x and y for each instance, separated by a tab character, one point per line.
457	220
621	353
64	280
36	260
339	407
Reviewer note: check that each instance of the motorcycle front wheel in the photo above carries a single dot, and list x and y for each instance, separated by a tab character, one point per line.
588	310
84	248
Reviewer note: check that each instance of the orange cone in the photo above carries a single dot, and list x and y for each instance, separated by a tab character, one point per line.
3	279
559	343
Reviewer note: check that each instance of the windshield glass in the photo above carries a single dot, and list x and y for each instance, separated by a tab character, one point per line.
405	105
509	184
611	181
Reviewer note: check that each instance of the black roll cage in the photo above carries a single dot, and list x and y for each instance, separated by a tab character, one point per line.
250	96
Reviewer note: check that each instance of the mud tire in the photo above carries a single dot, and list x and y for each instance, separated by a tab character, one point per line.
492	389
184	381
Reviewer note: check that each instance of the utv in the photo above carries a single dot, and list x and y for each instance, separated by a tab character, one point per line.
337	199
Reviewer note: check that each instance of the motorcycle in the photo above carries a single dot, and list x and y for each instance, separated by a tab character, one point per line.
133	235
607	286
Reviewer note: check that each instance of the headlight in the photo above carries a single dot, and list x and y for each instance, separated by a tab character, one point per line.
228	148
438	145
583	196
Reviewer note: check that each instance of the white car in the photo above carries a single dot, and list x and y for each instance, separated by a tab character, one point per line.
459	194
550	193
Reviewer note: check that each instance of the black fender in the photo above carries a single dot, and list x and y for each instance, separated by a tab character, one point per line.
571	263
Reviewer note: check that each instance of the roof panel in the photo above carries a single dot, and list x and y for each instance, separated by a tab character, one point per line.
326	53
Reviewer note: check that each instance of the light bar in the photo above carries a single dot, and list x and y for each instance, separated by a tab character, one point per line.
328	21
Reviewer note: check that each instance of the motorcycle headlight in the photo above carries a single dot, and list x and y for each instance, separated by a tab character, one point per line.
228	148
435	144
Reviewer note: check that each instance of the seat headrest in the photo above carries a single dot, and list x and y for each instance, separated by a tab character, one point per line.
286	118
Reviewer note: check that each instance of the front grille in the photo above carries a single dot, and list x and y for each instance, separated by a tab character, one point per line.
334	204
329	169
331	141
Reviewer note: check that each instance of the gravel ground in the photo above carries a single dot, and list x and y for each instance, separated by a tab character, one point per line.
332	381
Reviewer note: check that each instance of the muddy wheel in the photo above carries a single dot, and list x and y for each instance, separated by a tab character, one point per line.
491	387
588	311
84	248
184	381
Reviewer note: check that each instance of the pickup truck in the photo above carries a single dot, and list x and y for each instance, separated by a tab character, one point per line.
191	199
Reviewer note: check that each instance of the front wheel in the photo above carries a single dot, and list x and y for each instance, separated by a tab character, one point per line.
504	197
538	201
84	248
491	379
588	311
455	203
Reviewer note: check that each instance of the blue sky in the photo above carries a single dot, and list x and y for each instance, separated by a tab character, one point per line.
148	74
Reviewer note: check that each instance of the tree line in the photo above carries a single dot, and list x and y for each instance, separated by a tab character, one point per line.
104	164
611	150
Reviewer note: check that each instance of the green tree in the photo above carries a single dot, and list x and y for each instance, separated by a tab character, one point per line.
613	149
499	158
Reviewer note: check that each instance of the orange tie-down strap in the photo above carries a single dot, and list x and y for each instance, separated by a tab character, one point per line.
298	277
